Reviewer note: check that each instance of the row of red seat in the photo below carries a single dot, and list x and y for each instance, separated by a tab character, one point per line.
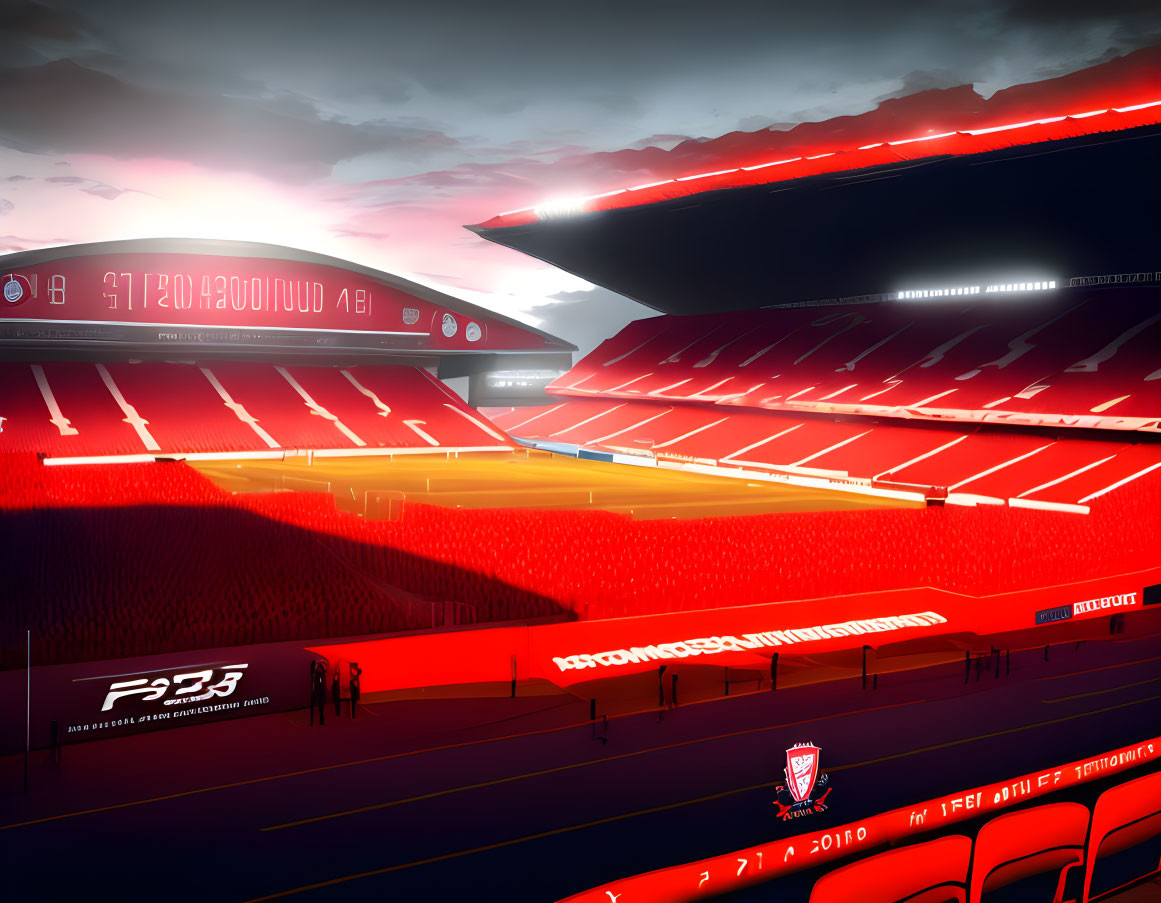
1059	839
81	409
104	566
970	462
1064	357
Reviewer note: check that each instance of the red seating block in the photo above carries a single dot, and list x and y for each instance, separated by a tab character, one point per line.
931	872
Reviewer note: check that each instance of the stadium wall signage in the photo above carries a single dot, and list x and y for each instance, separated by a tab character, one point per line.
297	300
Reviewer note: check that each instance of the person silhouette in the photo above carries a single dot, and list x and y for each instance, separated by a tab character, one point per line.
320	691
356	673
337	693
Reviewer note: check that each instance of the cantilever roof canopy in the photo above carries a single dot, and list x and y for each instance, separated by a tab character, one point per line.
205	297
1060	207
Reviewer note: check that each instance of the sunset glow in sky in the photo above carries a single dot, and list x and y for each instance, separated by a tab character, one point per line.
374	131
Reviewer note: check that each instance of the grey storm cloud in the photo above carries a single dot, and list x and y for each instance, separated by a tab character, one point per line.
62	107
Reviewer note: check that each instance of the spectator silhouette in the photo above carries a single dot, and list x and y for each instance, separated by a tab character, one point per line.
356	672
337	693
320	691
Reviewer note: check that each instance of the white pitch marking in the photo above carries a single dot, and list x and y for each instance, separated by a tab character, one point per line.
922	457
58	419
1067	476
1119	483
819	454
588	420
239	411
318	408
132	418
384	410
1000	466
700	429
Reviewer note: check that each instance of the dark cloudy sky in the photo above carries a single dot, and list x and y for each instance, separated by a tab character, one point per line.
374	130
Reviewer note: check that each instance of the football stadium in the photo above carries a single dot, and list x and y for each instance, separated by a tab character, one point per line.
837	579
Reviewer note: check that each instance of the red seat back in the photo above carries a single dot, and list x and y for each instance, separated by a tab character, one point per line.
1123	816
931	872
1028	842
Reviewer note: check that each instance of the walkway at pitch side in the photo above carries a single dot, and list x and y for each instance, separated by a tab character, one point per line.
501	799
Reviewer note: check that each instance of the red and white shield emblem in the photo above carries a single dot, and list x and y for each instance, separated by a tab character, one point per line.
801	770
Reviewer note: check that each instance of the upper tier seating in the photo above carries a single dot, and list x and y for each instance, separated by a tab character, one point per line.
1084	357
79	409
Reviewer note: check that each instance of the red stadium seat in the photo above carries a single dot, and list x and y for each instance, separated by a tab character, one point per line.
1124	816
932	872
1029	842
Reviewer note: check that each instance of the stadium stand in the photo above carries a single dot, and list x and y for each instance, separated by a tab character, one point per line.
1063	357
80	409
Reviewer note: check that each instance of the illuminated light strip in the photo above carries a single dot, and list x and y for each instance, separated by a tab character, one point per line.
318	408
239	411
922	457
384	410
819	848
616	360
468	417
703	175
1014	125
1000	466
700	429
1119	483
58	419
1038	505
921	138
633	427
740	451
1138	106
609	194
650	185
538	416
1067	476
224	327
276	455
132	418
713	355
561	207
568	429
837	445
775	163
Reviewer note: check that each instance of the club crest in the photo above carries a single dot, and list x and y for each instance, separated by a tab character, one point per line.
410	316
804	778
